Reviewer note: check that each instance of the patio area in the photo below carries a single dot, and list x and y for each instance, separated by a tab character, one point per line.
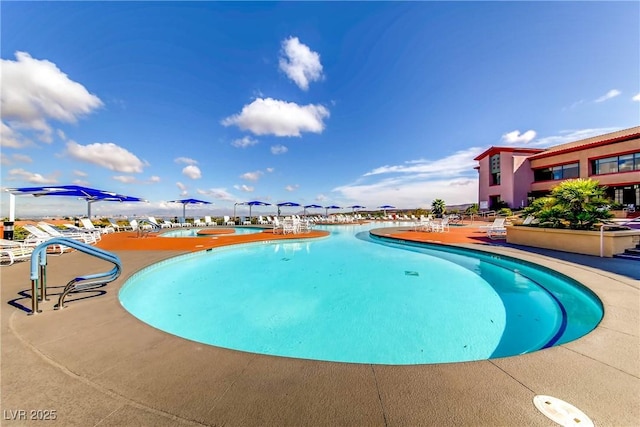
93	363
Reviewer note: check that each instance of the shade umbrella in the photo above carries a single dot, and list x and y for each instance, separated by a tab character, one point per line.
326	209
255	203
354	207
385	207
286	204
91	195
310	207
186	202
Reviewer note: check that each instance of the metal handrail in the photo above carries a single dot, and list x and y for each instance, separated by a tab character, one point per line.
613	224
141	231
39	264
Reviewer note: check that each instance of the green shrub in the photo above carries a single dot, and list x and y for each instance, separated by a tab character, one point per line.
578	204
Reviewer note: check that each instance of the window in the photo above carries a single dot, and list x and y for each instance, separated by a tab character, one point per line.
623	163
571	170
494	162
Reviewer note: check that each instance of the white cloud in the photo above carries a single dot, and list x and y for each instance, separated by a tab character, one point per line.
185	161
31	177
251	176
35	91
270	170
154	178
244	142
517	138
280	118
218	193
107	155
636	98
611	94
299	63
278	149
182	188
127	179
458	163
21	158
80	173
192	172
244	188
291	187
416	183
566	136
9	138
411	192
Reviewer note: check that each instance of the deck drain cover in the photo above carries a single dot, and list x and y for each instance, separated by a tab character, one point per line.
411	273
561	412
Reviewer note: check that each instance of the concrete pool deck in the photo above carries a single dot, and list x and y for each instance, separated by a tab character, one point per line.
95	364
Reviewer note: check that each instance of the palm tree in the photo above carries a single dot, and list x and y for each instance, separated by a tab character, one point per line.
576	203
438	208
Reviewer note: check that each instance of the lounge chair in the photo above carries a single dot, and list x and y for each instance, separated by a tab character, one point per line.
497	223
12	251
209	222
87	238
37	236
497	233
118	227
528	220
89	227
227	221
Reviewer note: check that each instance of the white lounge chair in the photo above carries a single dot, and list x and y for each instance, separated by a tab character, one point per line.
87	238
227	221
118	227
209	222
89	227
12	251
497	223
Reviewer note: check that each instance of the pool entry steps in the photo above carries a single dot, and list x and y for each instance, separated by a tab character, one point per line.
89	281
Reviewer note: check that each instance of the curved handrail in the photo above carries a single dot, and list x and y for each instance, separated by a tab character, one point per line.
142	221
39	258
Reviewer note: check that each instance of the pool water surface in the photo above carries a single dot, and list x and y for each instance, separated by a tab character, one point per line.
353	298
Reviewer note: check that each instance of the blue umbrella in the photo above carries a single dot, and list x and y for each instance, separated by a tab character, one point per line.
186	202
255	203
385	207
326	209
286	204
91	195
310	207
354	207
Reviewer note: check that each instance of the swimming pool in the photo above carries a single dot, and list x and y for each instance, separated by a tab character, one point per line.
193	232
353	298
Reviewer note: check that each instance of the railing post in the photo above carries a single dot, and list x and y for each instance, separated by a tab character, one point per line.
43	282
34	297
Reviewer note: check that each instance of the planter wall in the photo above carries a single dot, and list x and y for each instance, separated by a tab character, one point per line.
575	241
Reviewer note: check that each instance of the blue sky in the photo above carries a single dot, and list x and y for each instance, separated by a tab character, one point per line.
345	103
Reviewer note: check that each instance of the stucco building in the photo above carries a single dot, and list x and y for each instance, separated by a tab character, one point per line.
515	176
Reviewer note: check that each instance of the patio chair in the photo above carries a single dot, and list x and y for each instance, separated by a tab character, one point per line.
38	236
209	222
154	221
227	221
87	238
12	251
89	227
118	227
497	223
497	233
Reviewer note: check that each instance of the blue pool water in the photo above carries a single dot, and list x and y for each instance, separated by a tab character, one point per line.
354	298
193	232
